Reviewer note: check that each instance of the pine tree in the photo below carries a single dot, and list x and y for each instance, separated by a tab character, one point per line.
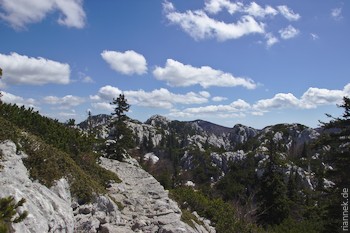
150	145
70	122
8	213
273	204
89	122
120	135
338	156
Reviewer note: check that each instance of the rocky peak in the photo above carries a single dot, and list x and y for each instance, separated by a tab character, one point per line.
158	121
210	128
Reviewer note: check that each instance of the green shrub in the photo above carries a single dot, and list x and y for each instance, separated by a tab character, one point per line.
55	151
8	213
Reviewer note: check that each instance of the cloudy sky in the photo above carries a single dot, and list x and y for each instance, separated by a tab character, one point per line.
255	63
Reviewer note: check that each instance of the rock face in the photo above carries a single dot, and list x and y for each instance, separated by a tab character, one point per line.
49	210
138	204
144	204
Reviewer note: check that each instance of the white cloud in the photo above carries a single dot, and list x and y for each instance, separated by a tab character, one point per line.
158	98
218	98
251	20
288	32
253	9
65	102
288	13
279	101
85	78
127	63
314	97
18	100
270	39
19	13
200	26
256	10
69	114
73	13
178	74
237	107
103	106
107	93
336	13
205	94
314	36
215	6
21	69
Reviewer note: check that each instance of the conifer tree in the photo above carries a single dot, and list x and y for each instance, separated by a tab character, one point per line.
8	212
338	156
89	121
120	135
273	204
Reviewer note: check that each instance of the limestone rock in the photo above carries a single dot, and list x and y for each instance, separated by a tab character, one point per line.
49	210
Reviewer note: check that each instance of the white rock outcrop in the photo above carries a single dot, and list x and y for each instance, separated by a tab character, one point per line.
137	204
146	205
49	209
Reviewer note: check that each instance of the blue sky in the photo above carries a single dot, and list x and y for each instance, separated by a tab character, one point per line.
255	63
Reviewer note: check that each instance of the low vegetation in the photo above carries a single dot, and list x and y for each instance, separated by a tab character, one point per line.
55	151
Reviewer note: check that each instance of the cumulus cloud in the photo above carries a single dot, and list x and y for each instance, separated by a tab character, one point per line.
215	6
205	94
253	9
200	26
103	106
19	13
251	19
256	10
177	74
312	98
336	13
314	36
235	108
288	13
270	39
288	32
128	62
218	98
158	98
280	100
107	93
65	102
21	69
18	100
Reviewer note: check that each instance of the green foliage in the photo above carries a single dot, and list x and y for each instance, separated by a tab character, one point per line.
219	212
8	213
50	131
239	181
51	157
188	218
290	225
272	197
338	156
120	135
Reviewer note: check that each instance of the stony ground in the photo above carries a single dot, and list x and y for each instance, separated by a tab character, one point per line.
137	204
146	205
